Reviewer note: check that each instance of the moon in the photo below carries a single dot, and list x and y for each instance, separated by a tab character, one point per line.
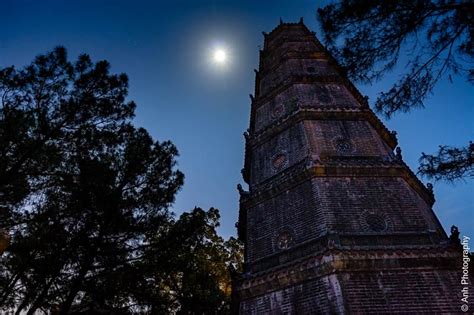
220	55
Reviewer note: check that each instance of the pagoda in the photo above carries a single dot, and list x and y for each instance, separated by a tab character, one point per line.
333	220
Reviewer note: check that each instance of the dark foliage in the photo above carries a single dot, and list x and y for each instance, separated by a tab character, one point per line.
449	163
436	38
85	197
367	37
188	266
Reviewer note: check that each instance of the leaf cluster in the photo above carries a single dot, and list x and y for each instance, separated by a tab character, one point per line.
450	163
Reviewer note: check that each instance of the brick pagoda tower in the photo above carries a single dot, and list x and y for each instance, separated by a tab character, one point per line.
334	221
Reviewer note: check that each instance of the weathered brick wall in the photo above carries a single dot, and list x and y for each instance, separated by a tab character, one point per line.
306	96
340	205
318	296
279	153
347	201
295	211
325	137
319	138
293	67
291	34
374	292
272	58
404	291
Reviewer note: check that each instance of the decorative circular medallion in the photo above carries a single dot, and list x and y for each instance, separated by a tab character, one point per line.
279	161
343	146
284	240
376	223
277	111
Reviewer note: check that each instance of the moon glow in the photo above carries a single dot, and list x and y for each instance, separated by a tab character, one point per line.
220	55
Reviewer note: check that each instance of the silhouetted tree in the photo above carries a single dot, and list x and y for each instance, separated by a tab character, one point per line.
85	197
437	38
188	266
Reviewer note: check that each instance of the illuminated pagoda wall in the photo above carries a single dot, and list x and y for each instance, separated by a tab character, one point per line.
334	221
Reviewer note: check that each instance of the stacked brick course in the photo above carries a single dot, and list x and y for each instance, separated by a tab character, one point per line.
334	221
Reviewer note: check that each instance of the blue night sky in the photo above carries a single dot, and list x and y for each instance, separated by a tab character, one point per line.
165	48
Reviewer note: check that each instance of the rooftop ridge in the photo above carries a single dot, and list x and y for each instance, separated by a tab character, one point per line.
282	25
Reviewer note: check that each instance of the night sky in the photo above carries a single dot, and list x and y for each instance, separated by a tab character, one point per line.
165	47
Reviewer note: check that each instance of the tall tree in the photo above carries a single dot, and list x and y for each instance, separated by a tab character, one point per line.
85	196
80	184
437	39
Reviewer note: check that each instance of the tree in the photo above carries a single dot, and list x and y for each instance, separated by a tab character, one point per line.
85	196
367	38
44	107
188	266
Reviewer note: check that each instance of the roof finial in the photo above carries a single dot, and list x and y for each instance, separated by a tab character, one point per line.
243	193
454	237
281	21
394	133
430	187
398	153
301	20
